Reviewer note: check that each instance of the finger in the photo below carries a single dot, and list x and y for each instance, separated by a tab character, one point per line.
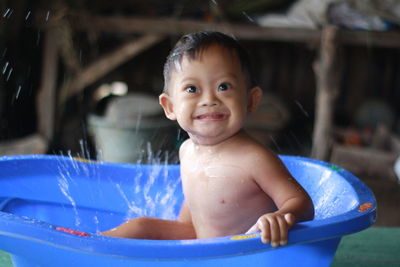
283	229
253	229
275	233
290	219
263	224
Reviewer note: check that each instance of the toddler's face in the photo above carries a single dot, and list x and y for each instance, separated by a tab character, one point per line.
208	96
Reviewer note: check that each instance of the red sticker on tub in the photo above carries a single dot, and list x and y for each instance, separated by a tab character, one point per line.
71	231
366	206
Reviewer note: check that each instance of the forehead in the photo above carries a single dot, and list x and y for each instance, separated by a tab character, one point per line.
214	56
213	51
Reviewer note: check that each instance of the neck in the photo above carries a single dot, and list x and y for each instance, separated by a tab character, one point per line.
209	142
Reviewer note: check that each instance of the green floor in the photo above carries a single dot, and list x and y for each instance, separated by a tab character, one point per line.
5	260
376	246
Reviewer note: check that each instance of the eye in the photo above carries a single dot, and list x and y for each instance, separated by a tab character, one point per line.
191	89
224	86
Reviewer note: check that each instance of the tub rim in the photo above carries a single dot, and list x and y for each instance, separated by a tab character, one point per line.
26	229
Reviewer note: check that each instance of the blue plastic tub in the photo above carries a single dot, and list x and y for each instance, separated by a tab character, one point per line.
40	194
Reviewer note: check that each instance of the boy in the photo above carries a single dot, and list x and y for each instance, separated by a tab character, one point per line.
231	183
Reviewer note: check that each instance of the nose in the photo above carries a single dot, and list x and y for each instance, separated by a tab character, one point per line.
209	99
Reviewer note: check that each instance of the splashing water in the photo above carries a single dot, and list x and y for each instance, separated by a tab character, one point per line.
147	190
66	180
63	184
146	199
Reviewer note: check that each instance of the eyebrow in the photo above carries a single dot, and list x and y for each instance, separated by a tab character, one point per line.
227	75
189	78
219	77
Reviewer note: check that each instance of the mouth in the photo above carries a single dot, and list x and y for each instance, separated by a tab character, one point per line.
211	116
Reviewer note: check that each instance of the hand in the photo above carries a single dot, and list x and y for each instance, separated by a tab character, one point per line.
274	228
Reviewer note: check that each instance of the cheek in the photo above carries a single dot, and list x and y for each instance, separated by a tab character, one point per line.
238	105
183	110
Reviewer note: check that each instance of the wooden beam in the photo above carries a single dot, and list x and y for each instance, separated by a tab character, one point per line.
87	22
107	63
384	39
178	27
327	74
84	21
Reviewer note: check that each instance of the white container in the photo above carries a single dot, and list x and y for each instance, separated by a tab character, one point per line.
133	128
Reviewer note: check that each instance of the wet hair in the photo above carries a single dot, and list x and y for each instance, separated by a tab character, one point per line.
191	45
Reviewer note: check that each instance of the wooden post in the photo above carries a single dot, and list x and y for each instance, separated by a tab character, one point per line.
46	97
327	74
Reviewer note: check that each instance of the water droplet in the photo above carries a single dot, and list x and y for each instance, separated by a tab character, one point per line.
7	14
302	108
38	38
28	15
5	67
4	53
18	91
9	74
275	143
248	17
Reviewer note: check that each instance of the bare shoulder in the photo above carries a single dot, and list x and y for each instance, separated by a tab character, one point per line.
255	151
261	160
184	148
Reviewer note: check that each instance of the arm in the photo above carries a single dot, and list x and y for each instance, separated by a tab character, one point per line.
292	201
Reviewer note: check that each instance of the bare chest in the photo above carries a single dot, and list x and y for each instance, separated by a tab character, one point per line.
222	196
216	187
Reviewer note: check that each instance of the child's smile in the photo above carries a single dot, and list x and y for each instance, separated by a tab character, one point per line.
208	95
211	116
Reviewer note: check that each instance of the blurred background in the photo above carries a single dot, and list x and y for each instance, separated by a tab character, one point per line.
81	78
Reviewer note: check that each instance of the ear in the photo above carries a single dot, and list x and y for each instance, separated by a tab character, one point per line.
167	105
254	98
